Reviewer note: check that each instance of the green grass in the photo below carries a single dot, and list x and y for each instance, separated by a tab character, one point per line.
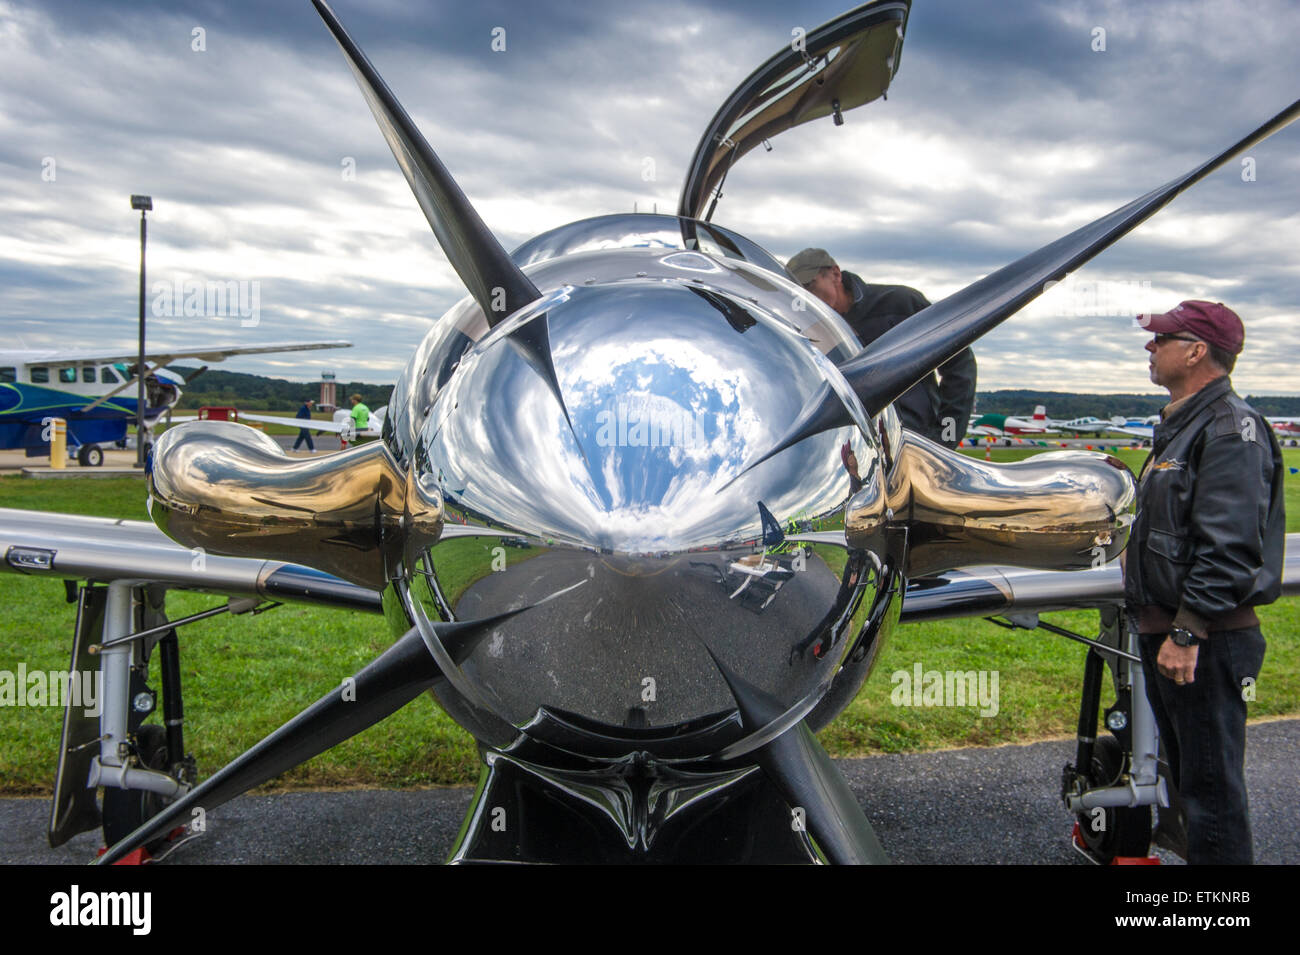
243	677
1039	677
124	497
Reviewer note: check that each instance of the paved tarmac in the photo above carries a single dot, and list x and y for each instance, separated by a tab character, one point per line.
978	806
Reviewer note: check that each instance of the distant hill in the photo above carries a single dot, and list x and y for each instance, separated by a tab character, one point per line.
1066	404
255	393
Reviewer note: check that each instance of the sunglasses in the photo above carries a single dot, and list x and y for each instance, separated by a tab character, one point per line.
1162	337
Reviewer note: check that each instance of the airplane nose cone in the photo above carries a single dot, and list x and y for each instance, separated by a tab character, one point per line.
625	496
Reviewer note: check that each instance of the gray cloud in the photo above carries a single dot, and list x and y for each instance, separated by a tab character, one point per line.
1003	130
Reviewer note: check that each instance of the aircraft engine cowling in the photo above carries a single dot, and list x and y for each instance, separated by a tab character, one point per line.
612	500
596	471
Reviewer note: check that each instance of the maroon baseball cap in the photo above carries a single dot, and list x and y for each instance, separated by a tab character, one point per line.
1211	322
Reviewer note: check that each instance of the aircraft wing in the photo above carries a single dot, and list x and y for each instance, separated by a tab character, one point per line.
1083	427
165	356
847	62
1137	430
74	547
313	424
988	590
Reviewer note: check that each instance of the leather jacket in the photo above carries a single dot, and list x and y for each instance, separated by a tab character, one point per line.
1209	535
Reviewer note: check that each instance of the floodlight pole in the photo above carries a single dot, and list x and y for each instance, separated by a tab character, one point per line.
144	204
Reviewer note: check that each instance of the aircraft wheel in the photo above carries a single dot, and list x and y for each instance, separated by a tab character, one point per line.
1118	831
90	455
125	810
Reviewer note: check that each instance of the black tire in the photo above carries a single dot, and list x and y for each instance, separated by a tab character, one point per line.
125	810
1126	830
90	456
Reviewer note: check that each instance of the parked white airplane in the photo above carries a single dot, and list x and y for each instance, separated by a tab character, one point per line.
96	391
1285	427
1138	427
1086	425
1000	425
1040	423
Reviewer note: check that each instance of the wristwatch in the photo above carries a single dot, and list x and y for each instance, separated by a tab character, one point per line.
1184	638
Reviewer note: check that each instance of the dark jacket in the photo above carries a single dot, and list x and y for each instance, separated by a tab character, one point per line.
303	412
878	308
1208	540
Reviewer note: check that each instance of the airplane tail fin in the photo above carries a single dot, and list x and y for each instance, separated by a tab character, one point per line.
1040	414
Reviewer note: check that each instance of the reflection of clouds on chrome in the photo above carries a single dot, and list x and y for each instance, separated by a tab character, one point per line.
661	403
648	421
700	385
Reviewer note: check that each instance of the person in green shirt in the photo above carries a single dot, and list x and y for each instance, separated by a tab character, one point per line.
360	413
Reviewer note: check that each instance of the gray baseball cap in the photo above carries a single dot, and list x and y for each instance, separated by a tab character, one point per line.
805	265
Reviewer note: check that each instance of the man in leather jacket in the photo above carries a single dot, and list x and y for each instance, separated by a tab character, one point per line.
938	409
1205	550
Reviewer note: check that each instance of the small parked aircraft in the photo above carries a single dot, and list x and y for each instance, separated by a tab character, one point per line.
1000	425
1285	427
1084	425
96	392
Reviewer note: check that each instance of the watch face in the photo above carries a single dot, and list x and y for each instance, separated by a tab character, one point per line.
1184	638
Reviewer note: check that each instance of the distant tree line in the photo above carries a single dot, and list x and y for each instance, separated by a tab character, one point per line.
255	393
1065	404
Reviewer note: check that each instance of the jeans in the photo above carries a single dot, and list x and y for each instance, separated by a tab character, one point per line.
304	436
1203	726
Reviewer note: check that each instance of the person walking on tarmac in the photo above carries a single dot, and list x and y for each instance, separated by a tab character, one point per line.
360	413
360	418
303	433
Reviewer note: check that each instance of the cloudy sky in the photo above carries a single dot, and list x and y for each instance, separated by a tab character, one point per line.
1006	127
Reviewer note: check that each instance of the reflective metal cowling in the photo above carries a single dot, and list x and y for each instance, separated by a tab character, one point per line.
1061	510
231	490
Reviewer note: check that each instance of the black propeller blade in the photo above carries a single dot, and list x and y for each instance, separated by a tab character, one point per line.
901	357
497	284
399	675
806	777
532	341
